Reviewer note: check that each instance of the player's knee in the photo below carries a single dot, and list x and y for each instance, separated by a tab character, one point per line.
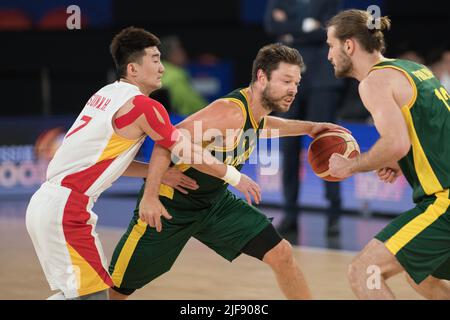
358	269
280	256
410	280
353	272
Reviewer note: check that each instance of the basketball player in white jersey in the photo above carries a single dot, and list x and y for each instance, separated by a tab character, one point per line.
99	147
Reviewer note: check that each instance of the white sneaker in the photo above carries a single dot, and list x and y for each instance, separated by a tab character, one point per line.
57	296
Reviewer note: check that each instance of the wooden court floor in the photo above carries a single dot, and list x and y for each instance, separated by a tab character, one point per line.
199	273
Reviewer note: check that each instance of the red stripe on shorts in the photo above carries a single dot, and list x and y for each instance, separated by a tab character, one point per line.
78	233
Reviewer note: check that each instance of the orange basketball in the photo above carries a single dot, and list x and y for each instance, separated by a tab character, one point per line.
327	143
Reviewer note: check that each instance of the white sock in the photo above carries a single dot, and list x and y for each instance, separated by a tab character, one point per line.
57	296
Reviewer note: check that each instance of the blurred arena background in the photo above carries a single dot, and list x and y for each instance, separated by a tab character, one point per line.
48	72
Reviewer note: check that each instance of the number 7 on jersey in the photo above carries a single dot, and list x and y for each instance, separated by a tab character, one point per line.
85	120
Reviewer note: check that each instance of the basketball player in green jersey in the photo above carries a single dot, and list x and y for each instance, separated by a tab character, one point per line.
212	214
411	111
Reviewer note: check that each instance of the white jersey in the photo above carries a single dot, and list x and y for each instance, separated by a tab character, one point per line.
92	156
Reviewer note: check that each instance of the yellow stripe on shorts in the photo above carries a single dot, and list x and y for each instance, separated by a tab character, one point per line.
127	252
86	279
419	223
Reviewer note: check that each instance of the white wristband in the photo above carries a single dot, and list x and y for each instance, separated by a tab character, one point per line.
232	176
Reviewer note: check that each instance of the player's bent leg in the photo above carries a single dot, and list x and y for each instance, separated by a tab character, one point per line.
420	241
269	247
431	288
62	229
289	276
234	227
370	269
143	254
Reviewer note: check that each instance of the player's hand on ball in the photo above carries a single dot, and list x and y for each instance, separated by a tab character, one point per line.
339	166
176	179
151	210
319	127
249	188
388	175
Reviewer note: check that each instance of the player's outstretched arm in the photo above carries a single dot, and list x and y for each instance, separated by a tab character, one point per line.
143	115
394	143
277	127
220	118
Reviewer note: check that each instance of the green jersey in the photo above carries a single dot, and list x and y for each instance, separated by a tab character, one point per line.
211	188
427	115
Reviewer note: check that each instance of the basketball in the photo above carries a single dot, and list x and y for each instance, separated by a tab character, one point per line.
327	143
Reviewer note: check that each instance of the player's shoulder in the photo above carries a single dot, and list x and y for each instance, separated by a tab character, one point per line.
145	104
145	101
231	107
382	76
378	80
225	102
223	111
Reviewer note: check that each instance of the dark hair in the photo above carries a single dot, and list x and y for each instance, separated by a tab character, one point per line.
355	24
129	45
270	56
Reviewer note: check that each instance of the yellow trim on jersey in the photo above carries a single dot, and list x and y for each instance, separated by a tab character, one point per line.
419	223
166	191
221	149
238	103
182	167
411	81
116	145
381	61
427	178
424	171
127	252
252	119
86	280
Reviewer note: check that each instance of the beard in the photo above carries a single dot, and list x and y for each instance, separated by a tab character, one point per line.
271	103
345	68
